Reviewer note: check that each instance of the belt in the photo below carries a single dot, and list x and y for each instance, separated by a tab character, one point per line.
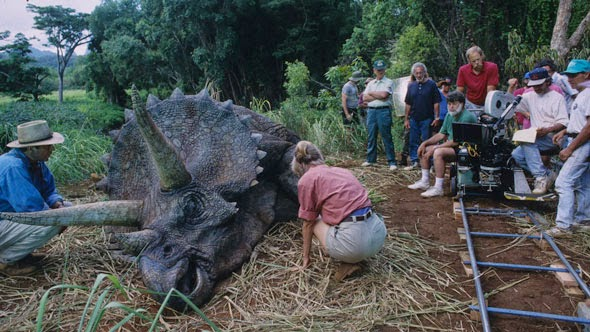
572	135
361	217
380	107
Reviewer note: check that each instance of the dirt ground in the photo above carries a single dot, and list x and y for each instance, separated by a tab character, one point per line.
405	212
434	219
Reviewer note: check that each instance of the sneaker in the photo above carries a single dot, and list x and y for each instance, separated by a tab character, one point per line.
393	167
558	232
412	166
422	185
432	192
366	163
540	185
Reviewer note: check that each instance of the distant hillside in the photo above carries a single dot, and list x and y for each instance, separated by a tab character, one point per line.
48	58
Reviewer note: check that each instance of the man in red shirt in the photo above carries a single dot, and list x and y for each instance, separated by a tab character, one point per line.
478	76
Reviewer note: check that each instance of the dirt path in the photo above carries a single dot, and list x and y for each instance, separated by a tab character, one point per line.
433	219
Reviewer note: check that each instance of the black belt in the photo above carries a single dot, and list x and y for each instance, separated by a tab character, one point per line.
361	217
572	135
380	107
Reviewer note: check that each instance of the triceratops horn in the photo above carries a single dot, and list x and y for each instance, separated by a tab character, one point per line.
152	101
134	242
170	167
115	213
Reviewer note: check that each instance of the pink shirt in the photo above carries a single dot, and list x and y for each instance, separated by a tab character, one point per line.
332	192
477	84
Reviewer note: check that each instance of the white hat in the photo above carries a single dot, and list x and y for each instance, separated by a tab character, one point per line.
35	133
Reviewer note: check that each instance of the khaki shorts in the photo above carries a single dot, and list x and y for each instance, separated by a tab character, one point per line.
352	242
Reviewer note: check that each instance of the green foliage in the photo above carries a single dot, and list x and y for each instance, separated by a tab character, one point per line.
19	76
239	45
99	302
296	80
415	44
84	123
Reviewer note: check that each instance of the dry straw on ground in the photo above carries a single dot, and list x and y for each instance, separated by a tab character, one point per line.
403	288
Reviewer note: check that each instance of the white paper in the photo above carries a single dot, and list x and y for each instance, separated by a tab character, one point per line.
525	135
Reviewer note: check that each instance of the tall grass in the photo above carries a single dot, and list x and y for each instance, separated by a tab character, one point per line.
324	127
83	121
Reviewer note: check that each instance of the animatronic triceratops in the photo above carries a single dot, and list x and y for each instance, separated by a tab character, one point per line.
205	181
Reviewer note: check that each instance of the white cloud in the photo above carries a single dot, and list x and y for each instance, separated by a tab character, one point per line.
15	18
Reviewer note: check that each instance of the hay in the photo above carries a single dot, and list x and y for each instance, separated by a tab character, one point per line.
402	287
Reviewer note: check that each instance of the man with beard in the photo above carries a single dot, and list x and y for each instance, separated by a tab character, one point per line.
445	152
422	110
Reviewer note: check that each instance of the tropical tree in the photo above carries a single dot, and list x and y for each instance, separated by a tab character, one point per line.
18	74
65	30
559	39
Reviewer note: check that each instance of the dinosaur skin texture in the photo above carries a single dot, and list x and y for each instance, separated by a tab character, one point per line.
213	177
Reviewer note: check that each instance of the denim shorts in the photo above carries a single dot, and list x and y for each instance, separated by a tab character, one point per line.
352	242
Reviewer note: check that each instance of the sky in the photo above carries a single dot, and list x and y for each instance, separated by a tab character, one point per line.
15	18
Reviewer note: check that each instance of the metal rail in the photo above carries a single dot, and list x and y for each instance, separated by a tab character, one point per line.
481	300
482	308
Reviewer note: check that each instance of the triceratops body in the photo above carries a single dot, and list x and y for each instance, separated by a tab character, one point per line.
212	176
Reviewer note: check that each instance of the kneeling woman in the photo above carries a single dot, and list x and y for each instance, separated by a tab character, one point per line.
336	209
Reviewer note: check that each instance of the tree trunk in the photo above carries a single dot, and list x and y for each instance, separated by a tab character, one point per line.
60	90
559	40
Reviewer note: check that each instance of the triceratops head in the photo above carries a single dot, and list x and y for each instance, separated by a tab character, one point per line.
204	183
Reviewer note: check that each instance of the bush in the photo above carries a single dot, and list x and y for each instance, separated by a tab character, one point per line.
83	122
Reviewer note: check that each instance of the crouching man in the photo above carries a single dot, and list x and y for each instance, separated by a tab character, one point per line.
547	112
444	152
27	185
572	184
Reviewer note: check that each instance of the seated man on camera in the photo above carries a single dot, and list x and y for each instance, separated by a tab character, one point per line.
444	152
546	110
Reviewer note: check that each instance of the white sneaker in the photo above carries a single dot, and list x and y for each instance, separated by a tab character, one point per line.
558	232
412	167
393	167
366	163
422	185
540	185
432	192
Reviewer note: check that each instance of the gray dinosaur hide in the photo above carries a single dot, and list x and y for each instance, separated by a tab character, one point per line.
213	177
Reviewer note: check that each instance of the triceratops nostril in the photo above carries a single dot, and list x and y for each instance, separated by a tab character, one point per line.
167	250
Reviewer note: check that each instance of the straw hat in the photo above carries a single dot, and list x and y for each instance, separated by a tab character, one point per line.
35	133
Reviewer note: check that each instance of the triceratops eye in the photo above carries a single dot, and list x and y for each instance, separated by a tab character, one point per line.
192	208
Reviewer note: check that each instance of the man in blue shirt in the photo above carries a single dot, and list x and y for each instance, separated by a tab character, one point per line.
27	185
422	108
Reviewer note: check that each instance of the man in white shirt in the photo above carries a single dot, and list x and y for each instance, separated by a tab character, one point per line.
547	112
572	182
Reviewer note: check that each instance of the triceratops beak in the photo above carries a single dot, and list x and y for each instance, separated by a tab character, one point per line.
170	167
115	213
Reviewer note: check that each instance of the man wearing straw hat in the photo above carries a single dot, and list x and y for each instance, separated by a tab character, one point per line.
27	185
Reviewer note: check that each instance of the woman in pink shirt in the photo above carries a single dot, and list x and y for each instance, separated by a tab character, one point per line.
336	209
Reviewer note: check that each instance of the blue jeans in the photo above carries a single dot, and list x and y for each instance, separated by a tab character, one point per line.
527	155
572	182
419	132
379	121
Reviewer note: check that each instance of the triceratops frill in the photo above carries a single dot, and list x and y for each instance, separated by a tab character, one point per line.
210	177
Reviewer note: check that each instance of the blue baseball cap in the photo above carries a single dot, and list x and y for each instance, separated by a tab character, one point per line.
577	66
379	65
527	75
538	76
